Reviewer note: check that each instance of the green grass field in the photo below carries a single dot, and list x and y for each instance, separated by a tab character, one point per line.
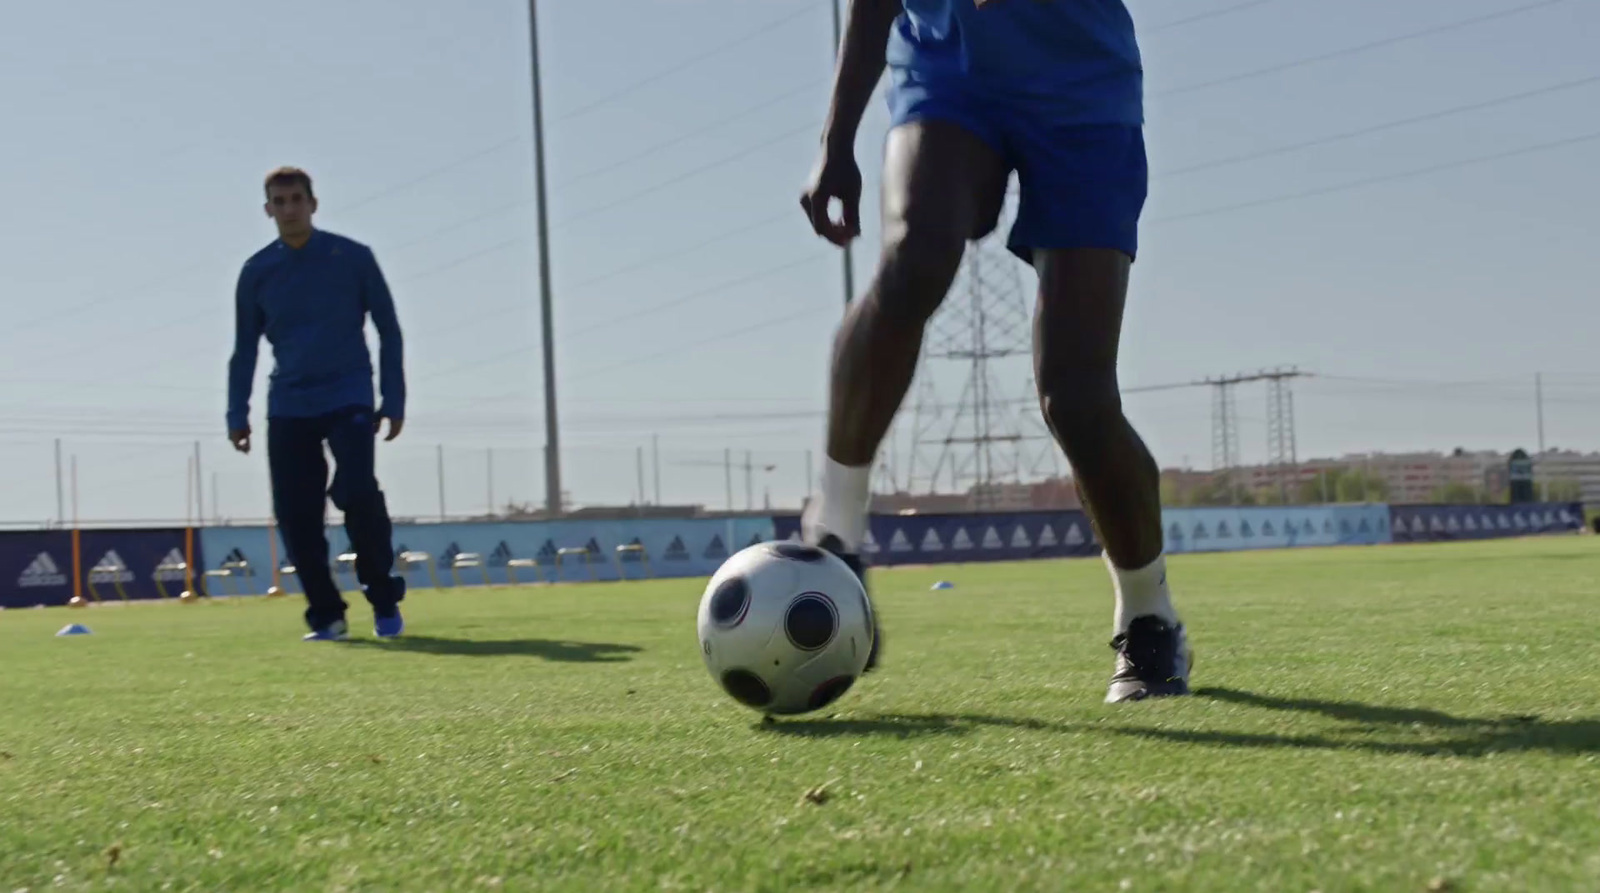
1399	718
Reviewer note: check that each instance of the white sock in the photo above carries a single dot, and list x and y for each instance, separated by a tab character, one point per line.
1140	592
841	506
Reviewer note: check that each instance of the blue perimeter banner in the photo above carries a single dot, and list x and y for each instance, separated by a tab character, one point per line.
1439	523
940	539
35	568
673	548
130	558
1274	527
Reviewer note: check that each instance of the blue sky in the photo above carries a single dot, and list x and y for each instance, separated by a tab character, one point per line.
692	302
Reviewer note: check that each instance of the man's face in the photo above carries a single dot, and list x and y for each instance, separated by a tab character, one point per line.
290	207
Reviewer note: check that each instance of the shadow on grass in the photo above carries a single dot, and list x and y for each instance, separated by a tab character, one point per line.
549	649
1441	734
902	725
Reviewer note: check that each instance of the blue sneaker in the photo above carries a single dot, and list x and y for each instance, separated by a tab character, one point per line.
390	626
336	631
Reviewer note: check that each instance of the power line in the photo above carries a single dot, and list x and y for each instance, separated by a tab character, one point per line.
786	214
698	131
1386	178
744	280
742	40
664	306
1378	128
1203	16
409	183
695	172
713	339
1361	48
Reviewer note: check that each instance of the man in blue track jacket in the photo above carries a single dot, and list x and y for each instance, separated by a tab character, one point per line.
310	293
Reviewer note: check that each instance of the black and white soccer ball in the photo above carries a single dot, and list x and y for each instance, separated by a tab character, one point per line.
785	628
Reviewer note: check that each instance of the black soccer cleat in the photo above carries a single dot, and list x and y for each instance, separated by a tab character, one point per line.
1153	661
833	544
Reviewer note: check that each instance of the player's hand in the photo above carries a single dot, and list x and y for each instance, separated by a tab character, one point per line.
394	426
240	438
836	178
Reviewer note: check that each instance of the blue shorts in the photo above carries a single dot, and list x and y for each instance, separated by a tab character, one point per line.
1082	185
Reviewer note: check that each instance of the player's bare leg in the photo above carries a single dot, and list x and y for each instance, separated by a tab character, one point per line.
1077	327
942	186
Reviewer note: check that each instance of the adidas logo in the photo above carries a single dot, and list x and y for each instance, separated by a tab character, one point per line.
176	559
869	545
500	555
676	550
961	540
110	569
991	539
42	571
716	550
900	542
1019	539
1047	537
631	555
931	542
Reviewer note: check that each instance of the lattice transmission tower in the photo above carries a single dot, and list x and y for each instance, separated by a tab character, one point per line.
1281	452
991	434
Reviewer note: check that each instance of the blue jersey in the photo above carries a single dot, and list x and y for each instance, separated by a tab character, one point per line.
1075	61
312	305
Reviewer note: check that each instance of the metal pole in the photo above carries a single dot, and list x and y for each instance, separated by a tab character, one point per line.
552	439
199	488
61	501
749	483
638	458
655	460
490	476
838	42
74	492
1538	396
727	474
440	455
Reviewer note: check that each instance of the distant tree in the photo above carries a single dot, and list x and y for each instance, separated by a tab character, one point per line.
1562	490
1457	493
1359	486
1217	492
1344	485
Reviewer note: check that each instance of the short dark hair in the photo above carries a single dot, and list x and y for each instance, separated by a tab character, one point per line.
289	176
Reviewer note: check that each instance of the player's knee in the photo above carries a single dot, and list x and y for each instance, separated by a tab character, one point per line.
1082	405
356	495
919	263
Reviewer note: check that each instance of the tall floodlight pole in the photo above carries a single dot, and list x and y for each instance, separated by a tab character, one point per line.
552	440
838	43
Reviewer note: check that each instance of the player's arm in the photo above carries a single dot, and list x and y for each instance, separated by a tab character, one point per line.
391	346
862	59
247	328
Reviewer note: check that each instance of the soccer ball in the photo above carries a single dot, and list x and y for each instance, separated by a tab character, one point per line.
785	628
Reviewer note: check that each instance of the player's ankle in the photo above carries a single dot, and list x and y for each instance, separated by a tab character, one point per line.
840	505
1141	592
